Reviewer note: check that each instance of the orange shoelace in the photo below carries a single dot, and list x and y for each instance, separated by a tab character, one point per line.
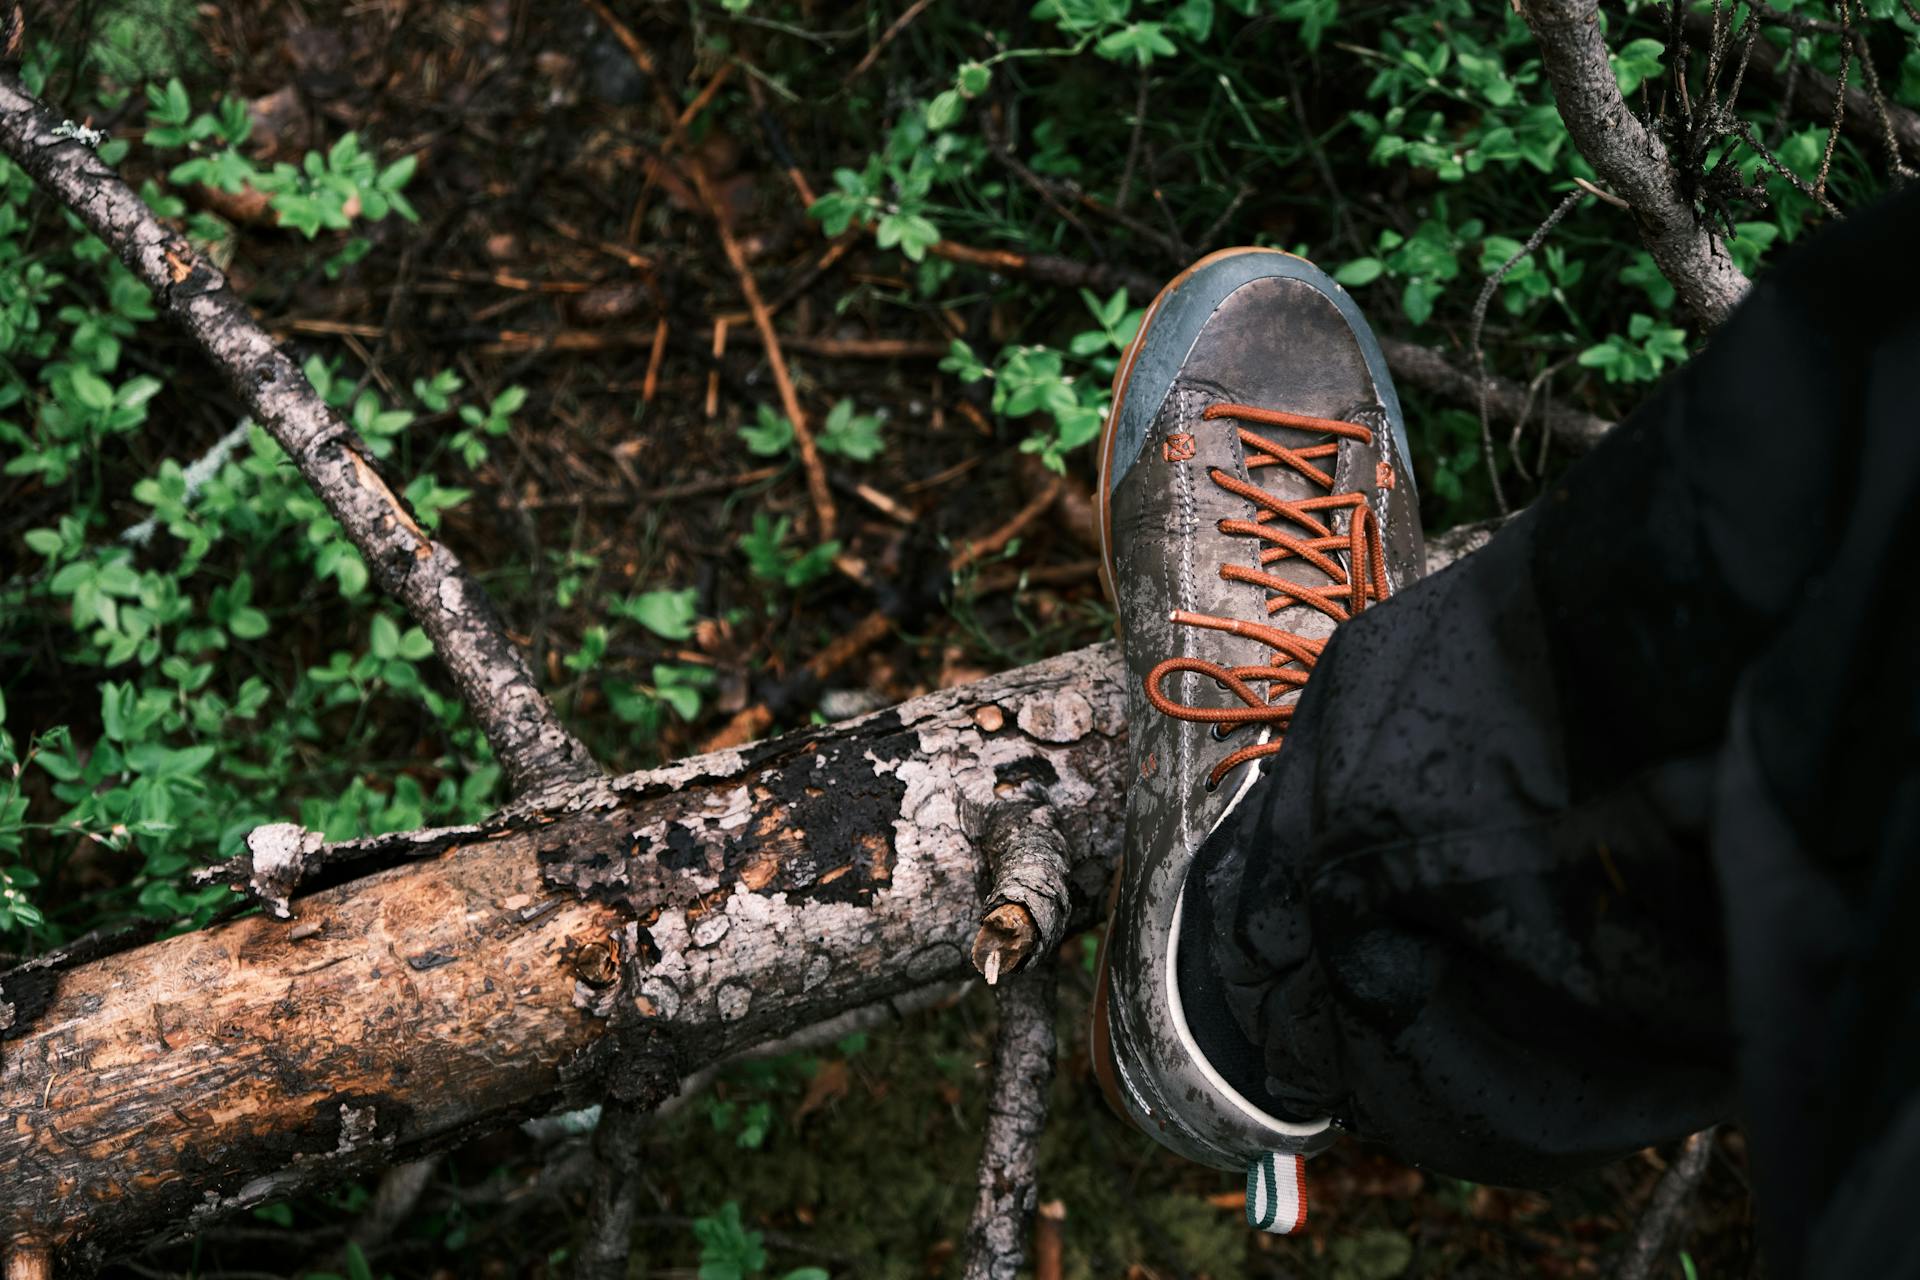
1345	595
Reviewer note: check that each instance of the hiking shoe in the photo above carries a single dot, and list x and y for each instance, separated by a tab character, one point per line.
1255	492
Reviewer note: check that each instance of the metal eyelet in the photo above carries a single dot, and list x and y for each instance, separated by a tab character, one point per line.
1220	730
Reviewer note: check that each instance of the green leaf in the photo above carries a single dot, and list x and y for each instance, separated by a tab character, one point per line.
1359	271
1140	41
668	614
945	109
911	232
92	390
383	640
248	623
974	79
770	435
851	435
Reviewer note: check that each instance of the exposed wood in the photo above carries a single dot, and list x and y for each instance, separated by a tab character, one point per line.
1630	159
413	567
607	942
603	940
1028	905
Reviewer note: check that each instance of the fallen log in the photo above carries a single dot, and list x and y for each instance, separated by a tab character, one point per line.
605	940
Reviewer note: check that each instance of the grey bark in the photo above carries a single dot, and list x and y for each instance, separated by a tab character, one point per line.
1030	899
1008	1188
533	746
603	942
1630	159
1655	1232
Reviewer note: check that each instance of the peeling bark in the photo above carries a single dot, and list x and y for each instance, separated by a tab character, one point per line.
1631	159
467	634
602	942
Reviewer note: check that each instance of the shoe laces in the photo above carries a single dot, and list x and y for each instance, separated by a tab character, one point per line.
1305	529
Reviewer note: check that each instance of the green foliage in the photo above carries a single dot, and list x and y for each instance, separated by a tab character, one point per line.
668	614
851	435
196	728
729	1251
1641	355
327	190
772	560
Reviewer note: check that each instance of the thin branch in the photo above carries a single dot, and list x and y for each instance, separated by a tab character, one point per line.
1662	1214
1010	1157
1487	291
1631	159
1812	92
423	574
887	37
1423	367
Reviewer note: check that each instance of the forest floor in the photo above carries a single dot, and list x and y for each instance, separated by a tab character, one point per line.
545	258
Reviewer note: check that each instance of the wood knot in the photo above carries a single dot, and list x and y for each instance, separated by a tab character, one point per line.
596	963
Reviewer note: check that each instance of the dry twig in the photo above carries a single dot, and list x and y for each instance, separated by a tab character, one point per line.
1676	1187
825	514
1487	290
1027	907
898	25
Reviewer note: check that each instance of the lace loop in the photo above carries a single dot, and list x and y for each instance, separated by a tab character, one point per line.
1349	588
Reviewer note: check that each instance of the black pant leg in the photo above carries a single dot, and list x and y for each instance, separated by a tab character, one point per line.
1626	807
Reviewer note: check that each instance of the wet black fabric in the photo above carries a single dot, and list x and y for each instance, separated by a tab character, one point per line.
1612	830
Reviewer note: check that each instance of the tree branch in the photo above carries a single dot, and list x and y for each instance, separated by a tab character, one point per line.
1813	93
1630	159
600	945
493	678
1507	400
601	940
1010	1156
1675	1188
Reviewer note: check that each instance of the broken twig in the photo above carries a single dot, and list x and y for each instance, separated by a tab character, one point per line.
1010	1157
1028	905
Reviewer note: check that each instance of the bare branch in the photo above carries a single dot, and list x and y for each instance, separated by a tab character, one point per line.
1662	1214
1010	1157
1813	93
1534	241
1630	159
1508	401
413	567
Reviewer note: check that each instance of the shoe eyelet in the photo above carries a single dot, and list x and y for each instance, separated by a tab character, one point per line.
1211	786
1220	730
1221	685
